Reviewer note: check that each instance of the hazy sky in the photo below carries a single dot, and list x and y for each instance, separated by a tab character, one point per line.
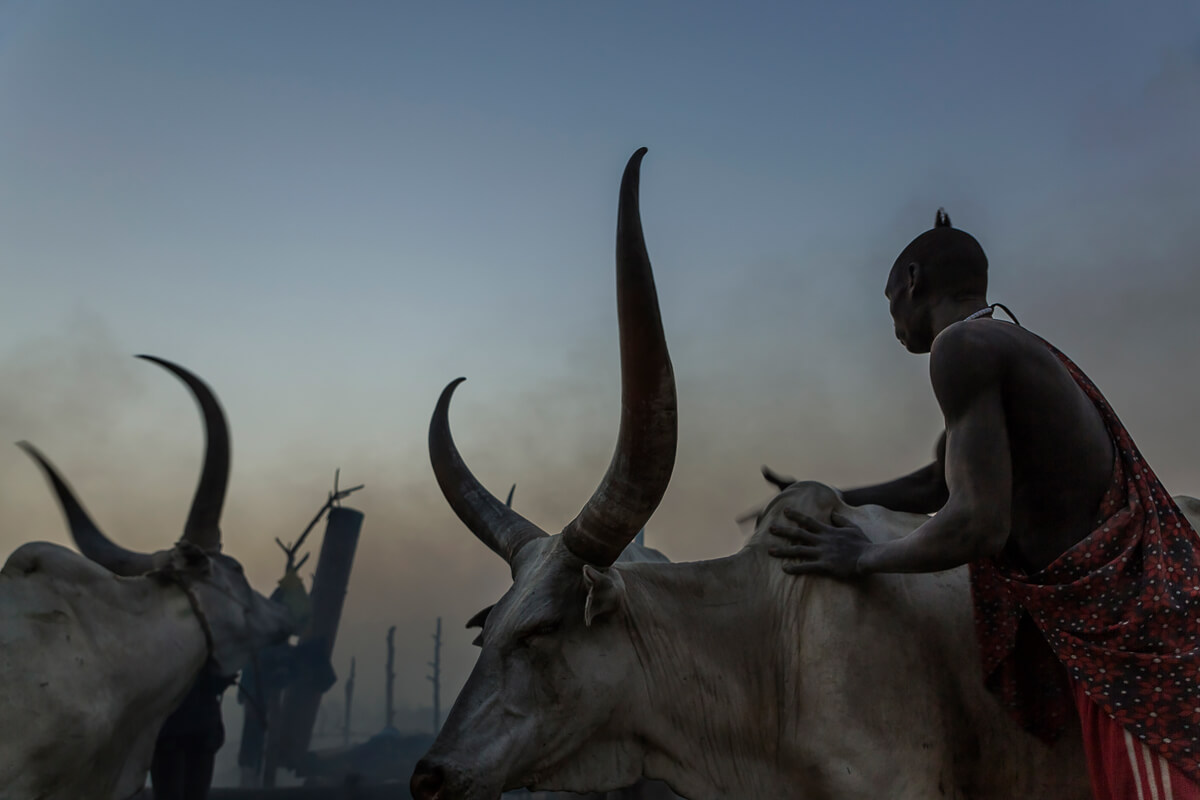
330	211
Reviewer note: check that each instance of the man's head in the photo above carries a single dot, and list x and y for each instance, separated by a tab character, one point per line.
942	264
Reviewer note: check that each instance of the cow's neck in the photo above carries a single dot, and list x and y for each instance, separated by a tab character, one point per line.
700	630
171	636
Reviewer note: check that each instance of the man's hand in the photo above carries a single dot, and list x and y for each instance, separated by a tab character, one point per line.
781	481
823	549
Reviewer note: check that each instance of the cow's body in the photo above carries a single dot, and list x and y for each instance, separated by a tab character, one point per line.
730	679
90	664
96	651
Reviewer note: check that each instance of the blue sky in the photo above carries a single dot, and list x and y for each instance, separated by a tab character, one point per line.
329	212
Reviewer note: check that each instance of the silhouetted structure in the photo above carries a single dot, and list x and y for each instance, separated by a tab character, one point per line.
293	724
302	698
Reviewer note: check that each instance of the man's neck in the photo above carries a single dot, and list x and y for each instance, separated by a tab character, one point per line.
952	310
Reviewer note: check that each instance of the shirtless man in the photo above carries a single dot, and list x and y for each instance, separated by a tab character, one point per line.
1068	532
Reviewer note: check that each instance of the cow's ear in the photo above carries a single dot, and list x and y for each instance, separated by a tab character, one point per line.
480	617
605	589
478	621
184	559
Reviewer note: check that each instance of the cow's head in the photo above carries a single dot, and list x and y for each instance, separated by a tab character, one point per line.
556	655
235	618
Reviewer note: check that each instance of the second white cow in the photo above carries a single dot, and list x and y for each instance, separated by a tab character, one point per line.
95	652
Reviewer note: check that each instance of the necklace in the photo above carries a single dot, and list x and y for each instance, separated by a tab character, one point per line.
987	312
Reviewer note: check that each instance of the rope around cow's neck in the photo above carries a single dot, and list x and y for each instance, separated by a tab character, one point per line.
206	628
194	602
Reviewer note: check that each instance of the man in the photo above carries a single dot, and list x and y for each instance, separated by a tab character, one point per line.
1085	575
187	745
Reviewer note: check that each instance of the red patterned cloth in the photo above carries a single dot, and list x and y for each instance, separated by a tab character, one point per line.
1120	611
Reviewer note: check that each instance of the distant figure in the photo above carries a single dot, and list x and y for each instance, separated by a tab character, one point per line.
262	682
272	670
188	742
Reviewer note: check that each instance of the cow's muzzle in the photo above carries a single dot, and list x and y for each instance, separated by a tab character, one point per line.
427	781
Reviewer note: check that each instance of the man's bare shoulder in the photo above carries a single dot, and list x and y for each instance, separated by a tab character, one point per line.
976	356
972	350
969	356
987	339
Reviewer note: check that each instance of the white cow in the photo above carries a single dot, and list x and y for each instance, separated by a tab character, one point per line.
96	652
728	679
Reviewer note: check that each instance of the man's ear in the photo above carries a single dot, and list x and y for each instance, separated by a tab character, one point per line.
914	276
605	590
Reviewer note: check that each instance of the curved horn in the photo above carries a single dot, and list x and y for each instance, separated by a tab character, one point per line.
641	465
494	523
88	538
203	527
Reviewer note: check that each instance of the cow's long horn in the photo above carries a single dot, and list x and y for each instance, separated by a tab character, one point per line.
641	465
88	538
203	526
496	525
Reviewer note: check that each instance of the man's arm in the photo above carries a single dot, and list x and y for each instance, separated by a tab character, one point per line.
920	492
976	519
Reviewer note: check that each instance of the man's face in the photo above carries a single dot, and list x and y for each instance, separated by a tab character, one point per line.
910	317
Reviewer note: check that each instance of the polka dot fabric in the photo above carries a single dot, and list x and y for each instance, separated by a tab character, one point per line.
1120	611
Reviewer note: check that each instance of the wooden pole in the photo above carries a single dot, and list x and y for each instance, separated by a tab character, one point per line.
436	677
389	715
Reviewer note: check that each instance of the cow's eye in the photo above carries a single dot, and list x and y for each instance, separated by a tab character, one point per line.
541	629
